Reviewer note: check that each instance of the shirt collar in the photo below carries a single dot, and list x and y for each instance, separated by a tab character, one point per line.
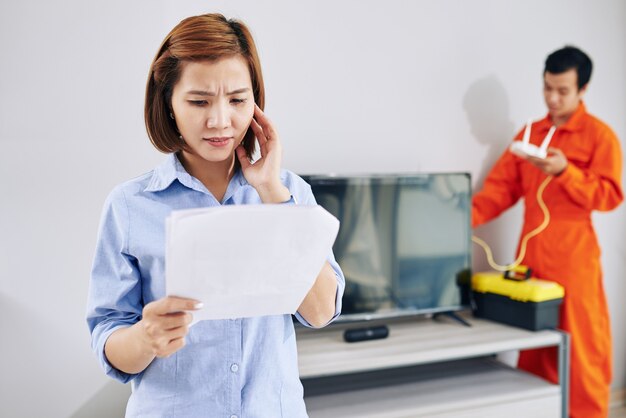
171	169
574	123
165	174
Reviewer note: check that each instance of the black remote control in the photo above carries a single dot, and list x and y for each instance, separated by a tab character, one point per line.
364	334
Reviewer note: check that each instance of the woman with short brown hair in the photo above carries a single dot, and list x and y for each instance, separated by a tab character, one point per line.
204	102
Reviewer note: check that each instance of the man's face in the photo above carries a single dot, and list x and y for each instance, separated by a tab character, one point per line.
562	95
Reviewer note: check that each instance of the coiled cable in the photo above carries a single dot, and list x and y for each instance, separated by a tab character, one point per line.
529	235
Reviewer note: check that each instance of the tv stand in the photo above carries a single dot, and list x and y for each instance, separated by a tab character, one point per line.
452	315
428	368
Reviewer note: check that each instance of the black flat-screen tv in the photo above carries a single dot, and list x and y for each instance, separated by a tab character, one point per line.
404	242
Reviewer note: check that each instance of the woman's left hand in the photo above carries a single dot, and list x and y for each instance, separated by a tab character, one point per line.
264	173
553	165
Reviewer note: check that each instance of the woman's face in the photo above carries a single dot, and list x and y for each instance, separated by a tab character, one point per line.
213	104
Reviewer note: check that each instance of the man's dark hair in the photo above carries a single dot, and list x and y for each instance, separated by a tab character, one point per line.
569	58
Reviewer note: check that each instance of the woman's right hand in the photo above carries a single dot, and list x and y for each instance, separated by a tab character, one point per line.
165	323
160	333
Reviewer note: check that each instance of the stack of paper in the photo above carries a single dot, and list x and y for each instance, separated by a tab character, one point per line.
247	260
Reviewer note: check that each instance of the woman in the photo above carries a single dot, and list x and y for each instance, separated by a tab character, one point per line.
203	107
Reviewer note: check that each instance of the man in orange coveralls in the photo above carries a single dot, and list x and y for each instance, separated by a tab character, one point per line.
586	162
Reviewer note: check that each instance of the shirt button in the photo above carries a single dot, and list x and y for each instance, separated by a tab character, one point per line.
234	368
233	416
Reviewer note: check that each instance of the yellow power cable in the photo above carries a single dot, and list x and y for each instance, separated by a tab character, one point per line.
522	251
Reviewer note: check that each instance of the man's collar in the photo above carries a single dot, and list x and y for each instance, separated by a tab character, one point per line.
573	124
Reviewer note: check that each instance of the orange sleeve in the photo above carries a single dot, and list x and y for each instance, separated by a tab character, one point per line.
502	189
599	186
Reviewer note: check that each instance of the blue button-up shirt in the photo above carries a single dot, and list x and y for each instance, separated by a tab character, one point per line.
241	368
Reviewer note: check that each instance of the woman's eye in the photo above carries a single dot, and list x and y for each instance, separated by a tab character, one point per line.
198	102
237	101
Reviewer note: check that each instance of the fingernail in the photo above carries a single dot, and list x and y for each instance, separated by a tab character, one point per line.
198	305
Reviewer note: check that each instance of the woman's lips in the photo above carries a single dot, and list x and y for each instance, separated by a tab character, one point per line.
218	141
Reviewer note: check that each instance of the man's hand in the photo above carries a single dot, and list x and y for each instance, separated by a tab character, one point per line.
553	165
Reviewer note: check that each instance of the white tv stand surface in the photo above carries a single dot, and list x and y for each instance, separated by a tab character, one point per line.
428	367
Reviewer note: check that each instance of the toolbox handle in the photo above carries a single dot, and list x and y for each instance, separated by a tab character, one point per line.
518	274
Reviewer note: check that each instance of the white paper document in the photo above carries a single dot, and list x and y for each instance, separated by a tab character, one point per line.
247	260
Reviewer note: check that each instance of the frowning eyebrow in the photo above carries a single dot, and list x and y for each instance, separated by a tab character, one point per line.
210	93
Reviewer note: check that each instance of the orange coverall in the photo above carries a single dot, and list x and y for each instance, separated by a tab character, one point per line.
567	251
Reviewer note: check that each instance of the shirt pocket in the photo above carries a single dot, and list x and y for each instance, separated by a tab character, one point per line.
578	152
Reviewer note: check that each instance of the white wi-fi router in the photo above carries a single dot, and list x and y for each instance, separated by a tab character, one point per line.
525	149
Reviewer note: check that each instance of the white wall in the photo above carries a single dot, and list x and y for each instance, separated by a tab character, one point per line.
353	86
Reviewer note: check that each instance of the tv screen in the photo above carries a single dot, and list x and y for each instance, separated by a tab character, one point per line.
404	241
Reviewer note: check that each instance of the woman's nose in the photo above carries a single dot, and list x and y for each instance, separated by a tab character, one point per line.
218	117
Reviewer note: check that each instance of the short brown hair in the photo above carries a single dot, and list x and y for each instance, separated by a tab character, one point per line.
207	37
